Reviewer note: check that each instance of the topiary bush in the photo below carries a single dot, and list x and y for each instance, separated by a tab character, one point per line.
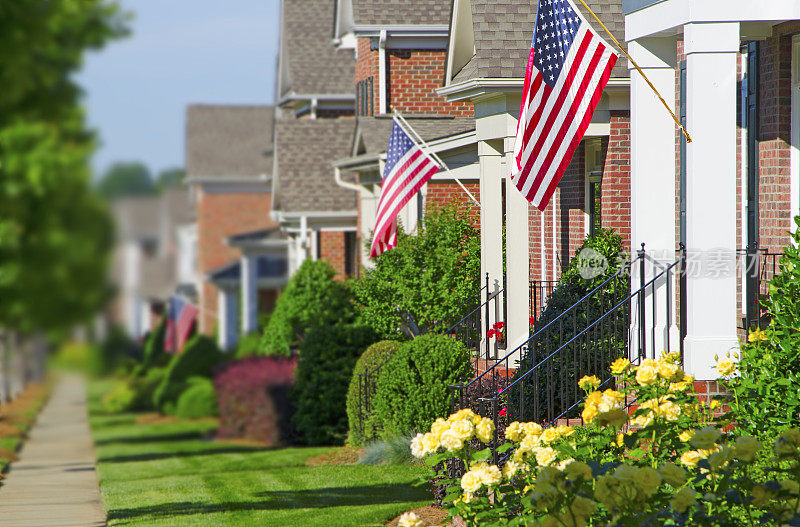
361	419
197	400
312	298
253	399
324	369
154	354
413	386
198	358
248	346
121	398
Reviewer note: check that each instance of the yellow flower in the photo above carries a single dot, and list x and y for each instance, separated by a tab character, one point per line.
409	519
417	449
485	430
430	443
691	458
620	439
705	438
757	335
439	426
511	468
451	442
646	375
667	370
549	435
578	469
686	435
589	413
467	497
545	456
565	431
589	383
464	413
670	411
683	499
490	475
672	474
594	398
674	356
462	428
471	482
745	448
611	399
726	367
620	366
532	429
530	443
761	496
648	480
515	432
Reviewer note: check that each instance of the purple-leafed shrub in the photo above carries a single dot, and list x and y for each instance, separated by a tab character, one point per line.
253	399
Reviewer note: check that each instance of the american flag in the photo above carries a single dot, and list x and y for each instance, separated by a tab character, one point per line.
181	316
407	169
568	68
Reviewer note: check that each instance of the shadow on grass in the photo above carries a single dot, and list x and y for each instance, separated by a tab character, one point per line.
153	438
283	500
151	456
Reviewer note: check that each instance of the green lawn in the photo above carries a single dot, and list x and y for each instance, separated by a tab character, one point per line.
172	474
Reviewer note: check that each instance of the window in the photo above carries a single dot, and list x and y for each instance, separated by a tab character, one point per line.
795	155
350	252
593	191
364	93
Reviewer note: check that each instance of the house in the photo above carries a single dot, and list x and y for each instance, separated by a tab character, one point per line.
241	256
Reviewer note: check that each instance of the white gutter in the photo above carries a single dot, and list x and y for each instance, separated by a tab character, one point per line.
472	87
382	72
337	175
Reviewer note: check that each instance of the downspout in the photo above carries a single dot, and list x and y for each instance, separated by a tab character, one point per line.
314	108
382	72
337	175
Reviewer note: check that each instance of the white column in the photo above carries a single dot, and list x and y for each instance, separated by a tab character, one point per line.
517	257
711	194
227	317
491	166
653	190
249	292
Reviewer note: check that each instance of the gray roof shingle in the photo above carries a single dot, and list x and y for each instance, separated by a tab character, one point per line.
375	130
399	12
503	30
305	150
314	65
228	141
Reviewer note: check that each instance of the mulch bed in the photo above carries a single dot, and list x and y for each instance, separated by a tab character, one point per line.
429	516
346	455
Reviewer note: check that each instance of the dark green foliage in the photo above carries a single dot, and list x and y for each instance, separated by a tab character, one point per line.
363	422
597	260
120	398
124	179
312	298
170	177
154	353
324	369
114	352
197	400
198	358
249	345
413	386
432	275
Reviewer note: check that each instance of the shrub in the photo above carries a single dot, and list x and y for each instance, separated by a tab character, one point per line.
430	276
311	298
145	386
198	358
249	345
154	354
253	401
324	369
197	400
362	421
121	398
413	387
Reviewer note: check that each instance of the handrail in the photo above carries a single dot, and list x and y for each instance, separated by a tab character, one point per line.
489	298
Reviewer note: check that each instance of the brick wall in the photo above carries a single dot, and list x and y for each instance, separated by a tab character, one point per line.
331	248
616	186
367	66
445	193
219	215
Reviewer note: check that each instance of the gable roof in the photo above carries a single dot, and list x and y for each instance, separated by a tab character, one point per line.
503	30
305	149
399	12
227	141
309	62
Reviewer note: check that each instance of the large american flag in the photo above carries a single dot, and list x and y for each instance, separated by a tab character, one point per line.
407	168
568	68
181	317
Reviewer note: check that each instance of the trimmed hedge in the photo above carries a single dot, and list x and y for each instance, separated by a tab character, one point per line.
253	399
198	358
372	358
197	400
413	386
324	369
154	353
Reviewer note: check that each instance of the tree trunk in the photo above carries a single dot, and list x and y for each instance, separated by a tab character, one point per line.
5	364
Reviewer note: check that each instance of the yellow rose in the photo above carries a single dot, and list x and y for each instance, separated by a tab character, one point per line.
549	435
611	399
691	458
683	499
578	469
667	370
564	431
594	398
545	456
589	383
450	441
530	443
511	469
757	335
648	480
430	443
409	519
620	366
515	432
532	429
485	430
726	367
589	413
745	448
490	475
686	435
705	438
439	426
672	474
643	420
670	411
471	482
462	428
646	375
674	356
464	413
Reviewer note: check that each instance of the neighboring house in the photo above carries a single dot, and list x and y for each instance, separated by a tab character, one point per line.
229	166
313	127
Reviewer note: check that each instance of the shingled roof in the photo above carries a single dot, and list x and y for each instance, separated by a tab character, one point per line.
313	65
305	150
399	12
228	141
374	131
503	30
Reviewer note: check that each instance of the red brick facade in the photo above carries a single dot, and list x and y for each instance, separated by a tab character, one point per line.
332	249
616	186
219	215
441	194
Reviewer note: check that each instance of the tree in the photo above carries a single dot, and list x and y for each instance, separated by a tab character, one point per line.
170	177
123	179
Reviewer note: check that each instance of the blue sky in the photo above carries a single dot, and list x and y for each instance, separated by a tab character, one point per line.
180	52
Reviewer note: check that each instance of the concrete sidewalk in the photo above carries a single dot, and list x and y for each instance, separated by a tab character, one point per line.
54	482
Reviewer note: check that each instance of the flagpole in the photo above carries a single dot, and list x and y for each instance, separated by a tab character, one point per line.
422	144
625	51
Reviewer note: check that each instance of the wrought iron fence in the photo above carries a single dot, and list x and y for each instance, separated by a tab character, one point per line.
758	266
367	386
539	293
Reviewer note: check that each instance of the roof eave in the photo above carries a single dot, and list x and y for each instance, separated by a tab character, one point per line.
472	88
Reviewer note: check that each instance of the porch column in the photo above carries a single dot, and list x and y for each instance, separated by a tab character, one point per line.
227	317
711	50
491	166
653	192
249	268
518	274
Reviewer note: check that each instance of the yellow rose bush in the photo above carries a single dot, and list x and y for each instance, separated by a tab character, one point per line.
649	453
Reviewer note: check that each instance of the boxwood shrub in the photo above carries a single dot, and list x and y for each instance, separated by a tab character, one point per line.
197	400
362	420
413	386
198	358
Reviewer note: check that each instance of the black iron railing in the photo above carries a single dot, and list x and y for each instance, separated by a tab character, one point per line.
539	293
758	266
367	386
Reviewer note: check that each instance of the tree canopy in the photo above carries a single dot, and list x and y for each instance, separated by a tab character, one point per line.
124	179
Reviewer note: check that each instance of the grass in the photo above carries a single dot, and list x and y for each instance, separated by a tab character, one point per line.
172	473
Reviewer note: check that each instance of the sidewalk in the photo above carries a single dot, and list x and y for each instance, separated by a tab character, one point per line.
54	482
